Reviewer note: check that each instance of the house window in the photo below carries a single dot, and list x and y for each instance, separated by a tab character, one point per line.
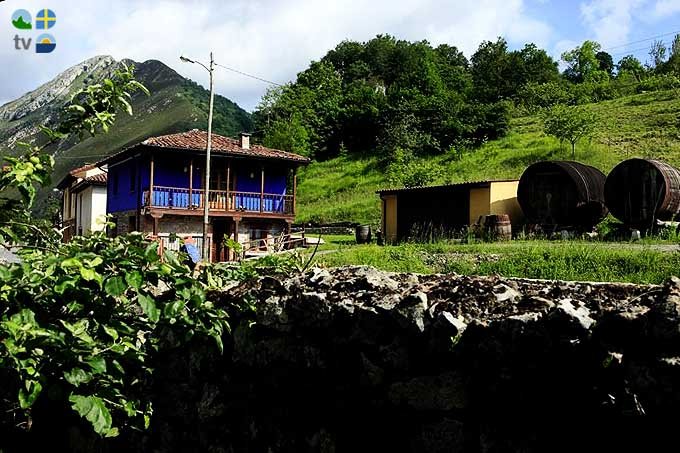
115	184
133	178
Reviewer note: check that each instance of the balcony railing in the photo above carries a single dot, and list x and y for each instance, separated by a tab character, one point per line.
220	200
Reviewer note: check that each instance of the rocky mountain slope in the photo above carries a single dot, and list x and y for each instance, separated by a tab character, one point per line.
175	104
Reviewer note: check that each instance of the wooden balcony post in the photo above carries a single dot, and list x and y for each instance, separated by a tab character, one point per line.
151	182
294	190
228	207
262	191
191	183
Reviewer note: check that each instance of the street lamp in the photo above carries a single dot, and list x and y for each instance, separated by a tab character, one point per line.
206	220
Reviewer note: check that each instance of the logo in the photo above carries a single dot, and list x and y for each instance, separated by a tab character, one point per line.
21	19
45	19
46	44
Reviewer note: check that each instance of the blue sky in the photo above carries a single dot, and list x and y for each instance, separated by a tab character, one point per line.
275	39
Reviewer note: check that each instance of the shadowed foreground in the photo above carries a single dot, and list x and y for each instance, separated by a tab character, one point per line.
355	359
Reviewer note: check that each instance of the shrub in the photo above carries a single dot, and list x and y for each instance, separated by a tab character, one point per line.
659	82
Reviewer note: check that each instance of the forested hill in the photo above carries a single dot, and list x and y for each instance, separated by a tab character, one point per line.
389	112
375	97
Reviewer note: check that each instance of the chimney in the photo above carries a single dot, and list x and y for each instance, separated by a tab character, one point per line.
245	140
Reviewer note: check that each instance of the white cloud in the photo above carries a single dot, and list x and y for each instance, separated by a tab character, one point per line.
273	39
665	8
610	20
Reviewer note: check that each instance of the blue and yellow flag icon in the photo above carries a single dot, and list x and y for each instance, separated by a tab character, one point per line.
45	19
45	44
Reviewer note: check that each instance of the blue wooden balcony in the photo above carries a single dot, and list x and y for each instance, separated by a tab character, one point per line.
176	198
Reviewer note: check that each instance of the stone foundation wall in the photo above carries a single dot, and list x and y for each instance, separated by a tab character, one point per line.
122	221
180	225
357	360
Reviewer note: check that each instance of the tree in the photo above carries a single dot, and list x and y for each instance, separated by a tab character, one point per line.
289	135
606	62
489	71
536	66
583	64
569	124
631	65
673	63
658	54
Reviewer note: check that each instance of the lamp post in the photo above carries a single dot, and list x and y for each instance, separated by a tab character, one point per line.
206	220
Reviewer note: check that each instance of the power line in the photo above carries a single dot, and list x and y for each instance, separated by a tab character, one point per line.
643	40
630	52
248	75
83	157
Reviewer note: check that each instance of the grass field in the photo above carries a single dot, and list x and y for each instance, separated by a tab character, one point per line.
558	260
644	125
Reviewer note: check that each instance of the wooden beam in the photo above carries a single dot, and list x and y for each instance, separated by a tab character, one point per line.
262	191
236	225
151	181
294	191
191	183
228	184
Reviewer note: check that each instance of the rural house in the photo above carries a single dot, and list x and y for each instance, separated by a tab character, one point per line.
421	212
83	207
157	185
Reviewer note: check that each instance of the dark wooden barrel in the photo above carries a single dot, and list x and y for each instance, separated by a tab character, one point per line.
498	227
363	234
640	191
562	194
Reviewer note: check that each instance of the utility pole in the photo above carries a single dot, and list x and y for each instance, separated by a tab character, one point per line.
206	197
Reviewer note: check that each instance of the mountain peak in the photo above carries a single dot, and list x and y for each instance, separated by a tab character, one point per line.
58	89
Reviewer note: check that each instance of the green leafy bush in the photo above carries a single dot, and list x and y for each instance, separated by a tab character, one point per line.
659	82
82	322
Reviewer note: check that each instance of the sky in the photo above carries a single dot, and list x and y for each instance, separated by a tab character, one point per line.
276	39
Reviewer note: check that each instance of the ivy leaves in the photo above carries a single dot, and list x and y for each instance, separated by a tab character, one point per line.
84	321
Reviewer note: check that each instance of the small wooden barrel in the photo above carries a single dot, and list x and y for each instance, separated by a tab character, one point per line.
363	234
498	227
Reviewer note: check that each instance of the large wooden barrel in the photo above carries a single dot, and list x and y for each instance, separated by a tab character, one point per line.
640	191
498	227
562	194
363	234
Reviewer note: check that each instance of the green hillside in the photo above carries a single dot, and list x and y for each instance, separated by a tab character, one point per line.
643	125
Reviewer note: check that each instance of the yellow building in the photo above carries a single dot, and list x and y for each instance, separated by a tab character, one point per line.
422	212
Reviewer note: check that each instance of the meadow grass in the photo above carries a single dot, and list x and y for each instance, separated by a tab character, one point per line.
563	260
644	125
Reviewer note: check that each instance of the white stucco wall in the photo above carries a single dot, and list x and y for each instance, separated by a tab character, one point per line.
98	204
91	210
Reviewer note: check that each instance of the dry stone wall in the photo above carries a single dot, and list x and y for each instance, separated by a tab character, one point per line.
354	359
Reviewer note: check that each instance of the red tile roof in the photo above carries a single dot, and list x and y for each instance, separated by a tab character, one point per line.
97	179
83	168
197	141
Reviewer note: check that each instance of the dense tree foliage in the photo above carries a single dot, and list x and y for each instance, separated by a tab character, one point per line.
389	97
382	95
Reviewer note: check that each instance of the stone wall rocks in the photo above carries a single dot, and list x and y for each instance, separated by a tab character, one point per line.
354	359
